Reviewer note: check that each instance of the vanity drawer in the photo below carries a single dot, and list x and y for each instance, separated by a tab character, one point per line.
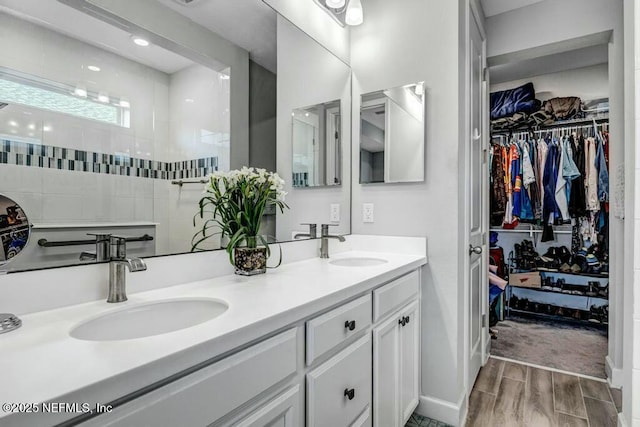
337	326
206	395
394	295
339	390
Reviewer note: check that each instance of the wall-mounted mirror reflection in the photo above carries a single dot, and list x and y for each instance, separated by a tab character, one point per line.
112	127
392	135
317	152
14	229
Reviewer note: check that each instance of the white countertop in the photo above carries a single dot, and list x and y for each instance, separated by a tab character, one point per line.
41	362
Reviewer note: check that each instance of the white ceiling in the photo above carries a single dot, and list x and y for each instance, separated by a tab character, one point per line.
57	17
496	7
250	24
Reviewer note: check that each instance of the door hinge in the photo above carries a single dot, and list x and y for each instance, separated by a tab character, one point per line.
484	320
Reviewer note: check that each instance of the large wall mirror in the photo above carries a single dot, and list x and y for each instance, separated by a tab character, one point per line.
392	135
110	126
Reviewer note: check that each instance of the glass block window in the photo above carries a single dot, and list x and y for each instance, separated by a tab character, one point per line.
14	92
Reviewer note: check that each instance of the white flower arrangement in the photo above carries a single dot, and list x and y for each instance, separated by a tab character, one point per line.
234	202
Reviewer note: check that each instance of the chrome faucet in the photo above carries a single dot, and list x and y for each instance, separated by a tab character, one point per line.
312	234
324	240
118	265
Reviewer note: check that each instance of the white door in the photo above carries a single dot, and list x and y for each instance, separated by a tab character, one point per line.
386	379
409	361
476	183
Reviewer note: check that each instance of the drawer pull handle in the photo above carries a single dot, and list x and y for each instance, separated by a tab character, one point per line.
350	325
350	393
404	320
407	319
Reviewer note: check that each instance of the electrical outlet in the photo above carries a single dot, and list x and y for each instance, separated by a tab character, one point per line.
367	212
335	212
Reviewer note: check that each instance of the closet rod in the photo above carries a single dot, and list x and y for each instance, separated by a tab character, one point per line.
566	124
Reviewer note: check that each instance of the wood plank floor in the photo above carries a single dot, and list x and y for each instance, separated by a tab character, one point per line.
512	394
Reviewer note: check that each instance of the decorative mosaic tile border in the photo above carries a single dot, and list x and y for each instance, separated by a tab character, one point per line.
47	156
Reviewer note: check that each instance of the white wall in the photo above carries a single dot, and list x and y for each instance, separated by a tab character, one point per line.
588	83
308	74
171	30
315	22
408	42
631	387
199	124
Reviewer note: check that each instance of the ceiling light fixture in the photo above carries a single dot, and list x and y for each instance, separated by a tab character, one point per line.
224	76
93	68
124	103
336	4
354	15
140	41
13	123
103	97
80	91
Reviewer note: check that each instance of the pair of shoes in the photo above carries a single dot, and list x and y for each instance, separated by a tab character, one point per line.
597	289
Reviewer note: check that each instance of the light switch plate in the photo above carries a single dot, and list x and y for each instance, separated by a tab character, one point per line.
367	212
335	212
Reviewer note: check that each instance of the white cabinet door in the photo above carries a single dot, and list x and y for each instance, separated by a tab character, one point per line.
409	360
386	375
283	411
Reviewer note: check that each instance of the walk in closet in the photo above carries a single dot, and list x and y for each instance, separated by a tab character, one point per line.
549	210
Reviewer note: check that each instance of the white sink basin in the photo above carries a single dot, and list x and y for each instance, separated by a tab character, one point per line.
357	262
145	320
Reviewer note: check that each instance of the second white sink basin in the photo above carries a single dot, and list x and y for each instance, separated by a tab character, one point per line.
145	320
358	262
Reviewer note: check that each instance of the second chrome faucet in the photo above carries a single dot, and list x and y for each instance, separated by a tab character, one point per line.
113	249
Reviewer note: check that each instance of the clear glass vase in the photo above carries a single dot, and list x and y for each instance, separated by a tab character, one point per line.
250	261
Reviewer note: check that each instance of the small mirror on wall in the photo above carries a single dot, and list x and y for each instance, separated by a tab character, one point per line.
392	135
14	229
317	145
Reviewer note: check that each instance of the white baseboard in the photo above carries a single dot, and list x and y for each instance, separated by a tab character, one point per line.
614	375
443	410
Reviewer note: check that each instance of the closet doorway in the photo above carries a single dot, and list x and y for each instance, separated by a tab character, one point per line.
549	214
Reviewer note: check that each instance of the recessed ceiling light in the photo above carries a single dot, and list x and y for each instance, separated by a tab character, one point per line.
13	123
140	41
32	126
189	101
224	76
306	114
124	103
94	68
47	128
103	97
80	91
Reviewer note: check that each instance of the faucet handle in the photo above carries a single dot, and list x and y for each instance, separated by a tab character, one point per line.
313	229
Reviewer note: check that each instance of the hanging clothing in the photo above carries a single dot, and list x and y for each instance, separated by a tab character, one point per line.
577	200
603	173
498	197
569	169
591	180
561	189
550	209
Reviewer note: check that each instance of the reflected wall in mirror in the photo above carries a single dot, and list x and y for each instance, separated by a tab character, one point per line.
314	85
392	135
100	134
316	145
14	229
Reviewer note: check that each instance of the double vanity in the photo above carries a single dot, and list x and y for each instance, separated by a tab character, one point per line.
316	342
